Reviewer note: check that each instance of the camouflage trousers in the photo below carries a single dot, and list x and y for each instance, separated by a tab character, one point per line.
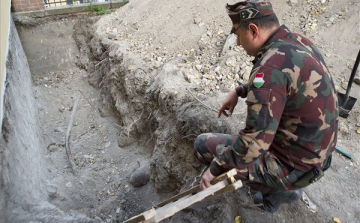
265	174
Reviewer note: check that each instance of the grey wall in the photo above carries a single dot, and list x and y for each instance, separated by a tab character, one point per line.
22	162
23	170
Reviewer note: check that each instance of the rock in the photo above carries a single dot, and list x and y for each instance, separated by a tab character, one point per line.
242	72
323	1
104	112
357	79
124	140
198	67
217	70
157	64
247	73
52	147
141	176
344	85
62	108
68	184
231	62
293	2
111	35
197	21
237	69
189	77
343	128
59	129
52	190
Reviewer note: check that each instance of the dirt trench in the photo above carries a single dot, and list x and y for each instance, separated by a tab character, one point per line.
153	104
131	114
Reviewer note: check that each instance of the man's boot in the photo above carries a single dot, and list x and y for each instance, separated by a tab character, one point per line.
273	200
256	196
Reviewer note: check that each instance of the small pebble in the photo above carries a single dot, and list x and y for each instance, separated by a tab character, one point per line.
62	108
58	129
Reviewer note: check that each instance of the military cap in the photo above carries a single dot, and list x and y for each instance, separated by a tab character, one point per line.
250	9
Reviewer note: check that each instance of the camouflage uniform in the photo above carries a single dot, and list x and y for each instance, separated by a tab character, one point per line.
291	124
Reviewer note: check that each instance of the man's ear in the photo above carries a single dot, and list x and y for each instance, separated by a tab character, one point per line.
254	30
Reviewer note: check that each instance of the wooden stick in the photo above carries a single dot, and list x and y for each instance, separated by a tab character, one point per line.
196	189
224	176
178	196
213	109
171	209
223	183
234	186
143	217
201	101
67	138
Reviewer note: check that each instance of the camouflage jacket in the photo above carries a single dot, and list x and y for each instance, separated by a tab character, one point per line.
292	106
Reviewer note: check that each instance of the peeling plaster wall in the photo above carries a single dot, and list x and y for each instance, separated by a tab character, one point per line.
22	153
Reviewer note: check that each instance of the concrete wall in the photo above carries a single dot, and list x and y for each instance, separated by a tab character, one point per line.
68	9
22	153
4	36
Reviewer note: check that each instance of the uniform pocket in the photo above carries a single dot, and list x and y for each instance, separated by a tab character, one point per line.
274	171
258	111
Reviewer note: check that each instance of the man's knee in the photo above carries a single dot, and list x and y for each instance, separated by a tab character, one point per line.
200	142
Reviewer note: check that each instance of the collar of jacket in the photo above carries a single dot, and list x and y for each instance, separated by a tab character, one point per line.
275	36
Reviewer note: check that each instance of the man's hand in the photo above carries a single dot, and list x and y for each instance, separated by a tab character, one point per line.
229	104
206	179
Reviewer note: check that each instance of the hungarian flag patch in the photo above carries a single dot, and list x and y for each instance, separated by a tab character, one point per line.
259	80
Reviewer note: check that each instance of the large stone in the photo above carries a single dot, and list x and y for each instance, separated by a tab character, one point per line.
124	140
357	79
141	176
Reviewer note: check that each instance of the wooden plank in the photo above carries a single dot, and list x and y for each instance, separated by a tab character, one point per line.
223	183
231	187
224	176
171	209
196	189
192	190
145	216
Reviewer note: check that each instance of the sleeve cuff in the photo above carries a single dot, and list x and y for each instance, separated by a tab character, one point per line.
215	168
241	90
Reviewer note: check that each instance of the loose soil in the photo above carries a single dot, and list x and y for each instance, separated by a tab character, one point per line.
150	79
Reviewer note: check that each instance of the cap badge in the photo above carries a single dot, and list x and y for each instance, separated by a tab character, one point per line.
248	13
